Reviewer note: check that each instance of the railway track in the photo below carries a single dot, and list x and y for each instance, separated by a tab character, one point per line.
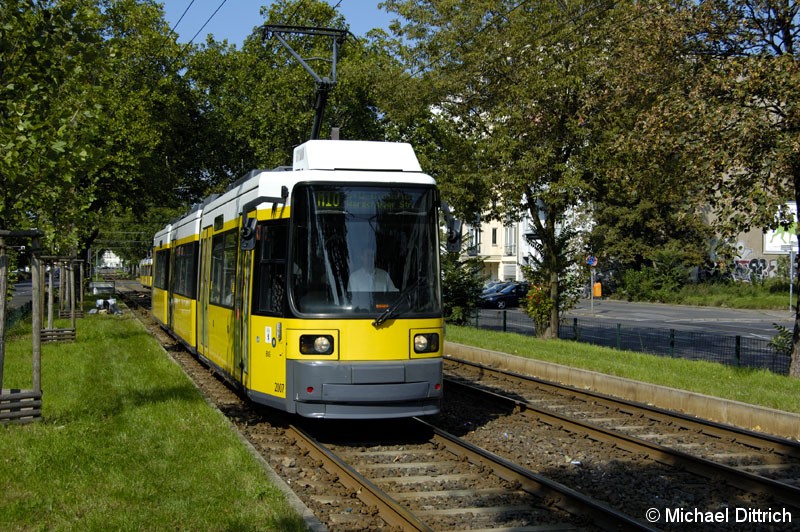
724	466
480	465
415	477
449	484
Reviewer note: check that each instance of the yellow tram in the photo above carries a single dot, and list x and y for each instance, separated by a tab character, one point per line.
146	272
314	288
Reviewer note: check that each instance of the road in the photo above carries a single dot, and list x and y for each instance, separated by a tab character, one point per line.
21	296
745	323
715	320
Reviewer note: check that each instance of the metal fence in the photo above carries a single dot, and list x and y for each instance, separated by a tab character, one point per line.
15	314
725	349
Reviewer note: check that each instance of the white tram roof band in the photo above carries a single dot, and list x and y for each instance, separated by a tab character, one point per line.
353	160
355	155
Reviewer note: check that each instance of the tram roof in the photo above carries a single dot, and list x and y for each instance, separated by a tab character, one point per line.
355	155
162	237
316	160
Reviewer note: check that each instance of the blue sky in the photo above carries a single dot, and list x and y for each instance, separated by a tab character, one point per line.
236	18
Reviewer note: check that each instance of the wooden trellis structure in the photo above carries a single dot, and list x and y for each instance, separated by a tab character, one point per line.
66	293
18	405
72	292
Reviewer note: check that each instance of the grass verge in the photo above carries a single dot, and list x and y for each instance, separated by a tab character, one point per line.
752	386
772	294
126	442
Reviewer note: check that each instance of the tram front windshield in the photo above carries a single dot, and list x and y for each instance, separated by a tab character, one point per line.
365	251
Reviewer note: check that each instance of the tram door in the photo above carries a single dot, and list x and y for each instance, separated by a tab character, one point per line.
241	311
171	290
204	291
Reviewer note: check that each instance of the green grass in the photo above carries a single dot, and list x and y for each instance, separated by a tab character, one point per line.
126	442
772	294
757	387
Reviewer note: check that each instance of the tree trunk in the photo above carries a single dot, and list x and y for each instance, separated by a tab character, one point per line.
794	365
3	289
552	330
551	260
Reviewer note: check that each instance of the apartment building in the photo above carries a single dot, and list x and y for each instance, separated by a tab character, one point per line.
501	245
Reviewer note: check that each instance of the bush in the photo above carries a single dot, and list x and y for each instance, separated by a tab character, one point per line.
638	285
782	342
462	283
662	281
538	306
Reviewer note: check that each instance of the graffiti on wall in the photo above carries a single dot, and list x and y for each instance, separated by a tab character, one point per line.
747	267
755	269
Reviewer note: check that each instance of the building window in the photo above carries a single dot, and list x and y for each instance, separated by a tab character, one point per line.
511	240
474	240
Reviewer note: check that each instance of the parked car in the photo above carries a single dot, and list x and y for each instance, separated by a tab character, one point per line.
507	297
495	286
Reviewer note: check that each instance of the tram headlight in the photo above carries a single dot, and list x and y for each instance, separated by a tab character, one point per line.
316	344
426	343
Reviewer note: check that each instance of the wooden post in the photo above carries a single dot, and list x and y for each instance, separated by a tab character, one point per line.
3	289
62	294
80	280
36	318
40	301
71	293
50	288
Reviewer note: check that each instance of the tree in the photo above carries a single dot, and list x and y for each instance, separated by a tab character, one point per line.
48	110
648	191
94	115
722	111
149	118
260	100
730	117
516	81
539	305
753	74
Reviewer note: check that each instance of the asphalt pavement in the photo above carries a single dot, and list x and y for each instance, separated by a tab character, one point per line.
21	296
741	322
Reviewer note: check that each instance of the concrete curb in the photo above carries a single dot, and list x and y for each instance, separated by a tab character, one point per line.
758	418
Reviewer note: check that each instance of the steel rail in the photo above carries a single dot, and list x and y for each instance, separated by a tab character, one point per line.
782	492
564	497
773	443
389	510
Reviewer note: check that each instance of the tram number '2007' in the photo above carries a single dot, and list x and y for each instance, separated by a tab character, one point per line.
279	387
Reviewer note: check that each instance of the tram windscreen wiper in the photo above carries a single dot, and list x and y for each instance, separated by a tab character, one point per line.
391	310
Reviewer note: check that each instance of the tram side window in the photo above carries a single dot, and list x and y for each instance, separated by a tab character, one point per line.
185	270
269	293
161	277
223	268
